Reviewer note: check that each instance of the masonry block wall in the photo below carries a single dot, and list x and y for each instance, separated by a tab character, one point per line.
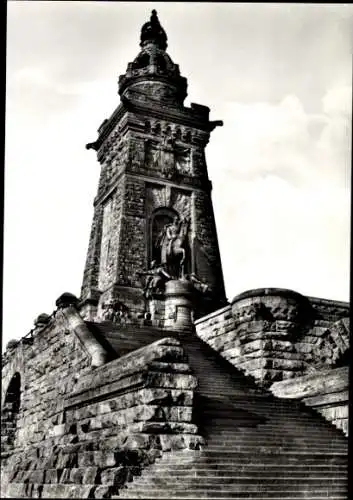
47	364
275	334
85	430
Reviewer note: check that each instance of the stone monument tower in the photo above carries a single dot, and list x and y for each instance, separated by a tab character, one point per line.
153	218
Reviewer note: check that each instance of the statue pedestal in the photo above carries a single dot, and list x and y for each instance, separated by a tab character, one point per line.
178	305
156	309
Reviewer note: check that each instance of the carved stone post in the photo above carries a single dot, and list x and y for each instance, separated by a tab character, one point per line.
178	305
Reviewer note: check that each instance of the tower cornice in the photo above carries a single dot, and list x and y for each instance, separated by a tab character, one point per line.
196	116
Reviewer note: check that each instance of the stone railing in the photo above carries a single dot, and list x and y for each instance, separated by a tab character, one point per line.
325	392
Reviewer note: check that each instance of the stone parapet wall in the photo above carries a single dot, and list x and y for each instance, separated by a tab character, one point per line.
326	392
115	420
47	364
276	334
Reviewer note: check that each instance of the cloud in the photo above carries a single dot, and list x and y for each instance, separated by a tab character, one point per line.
338	100
282	195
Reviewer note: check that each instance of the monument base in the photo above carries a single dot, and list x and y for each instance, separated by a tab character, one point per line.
178	305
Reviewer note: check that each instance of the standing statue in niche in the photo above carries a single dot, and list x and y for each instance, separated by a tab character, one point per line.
172	241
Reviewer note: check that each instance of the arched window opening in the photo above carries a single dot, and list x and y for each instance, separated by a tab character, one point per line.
9	413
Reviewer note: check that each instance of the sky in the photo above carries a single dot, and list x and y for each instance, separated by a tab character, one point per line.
278	75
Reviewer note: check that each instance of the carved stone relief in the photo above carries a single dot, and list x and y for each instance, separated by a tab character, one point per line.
181	202
105	243
156	90
137	154
167	196
167	157
157	196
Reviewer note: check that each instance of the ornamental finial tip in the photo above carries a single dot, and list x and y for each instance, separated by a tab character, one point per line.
152	31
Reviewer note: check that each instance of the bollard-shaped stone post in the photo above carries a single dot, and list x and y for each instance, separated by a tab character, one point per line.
178	305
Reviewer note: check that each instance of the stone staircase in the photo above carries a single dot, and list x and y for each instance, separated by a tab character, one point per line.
258	446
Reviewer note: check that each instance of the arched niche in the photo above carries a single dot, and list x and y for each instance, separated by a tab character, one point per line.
158	220
9	413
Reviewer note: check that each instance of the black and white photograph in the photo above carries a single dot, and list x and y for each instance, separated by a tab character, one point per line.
176	270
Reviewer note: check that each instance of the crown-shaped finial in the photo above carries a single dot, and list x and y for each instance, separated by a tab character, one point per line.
152	31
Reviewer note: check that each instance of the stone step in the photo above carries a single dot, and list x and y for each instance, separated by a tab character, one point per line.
241	397
257	458
231	380
225	382
271	450
210	425
275	441
166	496
257	425
217	494
272	407
226	395
268	411
250	397
254	472
266	421
263	421
220	467
257	411
213	424
331	433
261	434
272	440
276	427
237	482
235	443
232	432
